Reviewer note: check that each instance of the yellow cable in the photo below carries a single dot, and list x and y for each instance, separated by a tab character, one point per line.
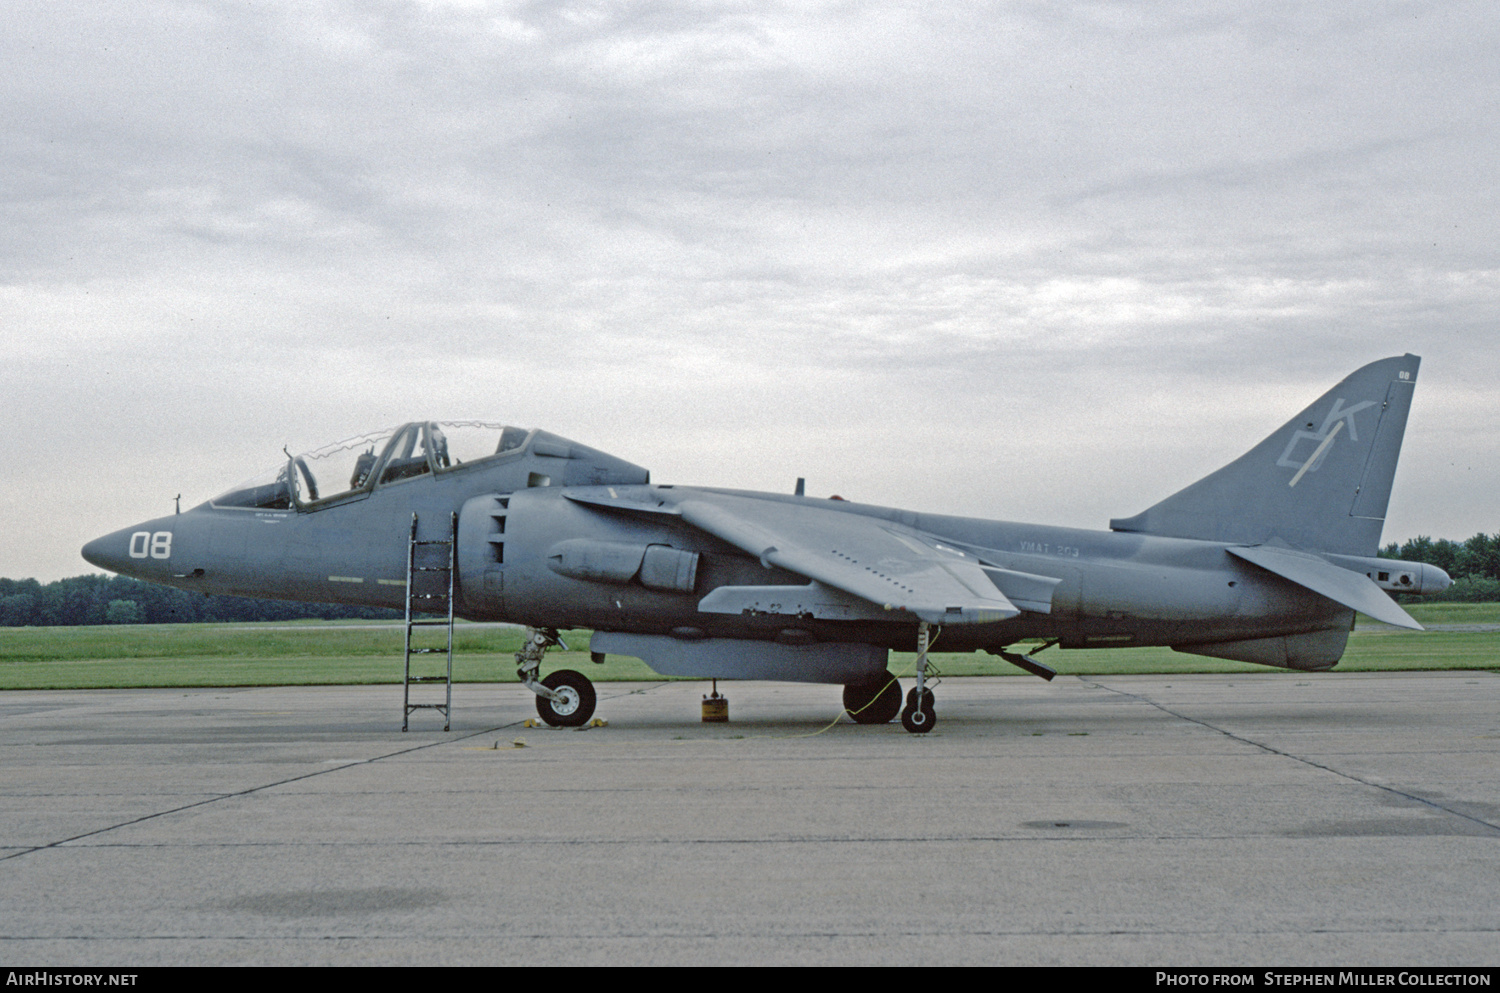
894	679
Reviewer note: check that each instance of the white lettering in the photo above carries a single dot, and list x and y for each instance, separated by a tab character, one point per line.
1322	439
1339	413
1299	978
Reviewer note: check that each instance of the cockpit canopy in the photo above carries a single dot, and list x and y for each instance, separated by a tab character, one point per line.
378	458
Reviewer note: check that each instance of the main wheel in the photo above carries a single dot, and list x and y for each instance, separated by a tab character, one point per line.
578	699
875	701
918	717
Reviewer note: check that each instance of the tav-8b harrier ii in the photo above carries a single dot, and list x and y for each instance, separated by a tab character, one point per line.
1266	560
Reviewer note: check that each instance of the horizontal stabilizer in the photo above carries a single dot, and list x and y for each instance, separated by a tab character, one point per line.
1352	589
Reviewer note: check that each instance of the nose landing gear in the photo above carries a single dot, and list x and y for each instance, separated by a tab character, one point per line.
575	703
564	699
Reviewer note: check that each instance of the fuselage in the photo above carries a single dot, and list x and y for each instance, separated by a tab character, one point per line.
511	514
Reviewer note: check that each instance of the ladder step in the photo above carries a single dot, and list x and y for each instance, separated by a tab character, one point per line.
433	605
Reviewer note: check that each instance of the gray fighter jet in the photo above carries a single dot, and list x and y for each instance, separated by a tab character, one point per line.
1266	560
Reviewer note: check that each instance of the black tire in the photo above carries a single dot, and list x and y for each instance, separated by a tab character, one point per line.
918	718
577	708
873	702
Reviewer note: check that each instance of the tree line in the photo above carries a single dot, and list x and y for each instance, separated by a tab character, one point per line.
100	599
1473	564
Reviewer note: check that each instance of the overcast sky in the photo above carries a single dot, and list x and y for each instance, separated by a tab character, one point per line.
1029	261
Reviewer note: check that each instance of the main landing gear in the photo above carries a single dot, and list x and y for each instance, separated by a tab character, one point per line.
918	716
875	701
564	699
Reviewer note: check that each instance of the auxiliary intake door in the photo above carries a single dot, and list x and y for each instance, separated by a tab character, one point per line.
481	553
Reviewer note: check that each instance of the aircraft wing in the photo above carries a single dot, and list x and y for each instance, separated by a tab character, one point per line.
887	564
892	566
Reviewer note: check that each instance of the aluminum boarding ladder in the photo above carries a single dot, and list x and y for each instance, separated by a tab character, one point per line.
431	598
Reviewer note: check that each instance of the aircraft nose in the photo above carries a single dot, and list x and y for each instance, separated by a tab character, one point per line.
96	552
141	551
111	552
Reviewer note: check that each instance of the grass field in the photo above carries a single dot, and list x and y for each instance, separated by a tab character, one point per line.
308	653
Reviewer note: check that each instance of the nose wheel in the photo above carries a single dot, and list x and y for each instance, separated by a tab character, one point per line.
574	703
564	699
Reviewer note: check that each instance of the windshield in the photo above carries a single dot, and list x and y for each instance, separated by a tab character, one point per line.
350	466
267	491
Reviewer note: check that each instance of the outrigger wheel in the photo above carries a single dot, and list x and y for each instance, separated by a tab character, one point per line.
918	717
577	704
875	701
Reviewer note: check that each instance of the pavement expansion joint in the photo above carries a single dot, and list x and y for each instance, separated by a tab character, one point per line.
251	790
1282	753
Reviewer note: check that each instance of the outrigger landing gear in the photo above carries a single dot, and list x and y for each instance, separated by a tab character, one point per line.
565	698
918	717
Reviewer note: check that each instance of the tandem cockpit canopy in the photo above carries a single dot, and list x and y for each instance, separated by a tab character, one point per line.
378	458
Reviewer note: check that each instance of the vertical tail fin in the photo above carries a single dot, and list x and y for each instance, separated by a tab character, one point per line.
1320	483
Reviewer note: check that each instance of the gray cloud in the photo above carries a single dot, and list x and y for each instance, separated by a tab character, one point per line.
1033	261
